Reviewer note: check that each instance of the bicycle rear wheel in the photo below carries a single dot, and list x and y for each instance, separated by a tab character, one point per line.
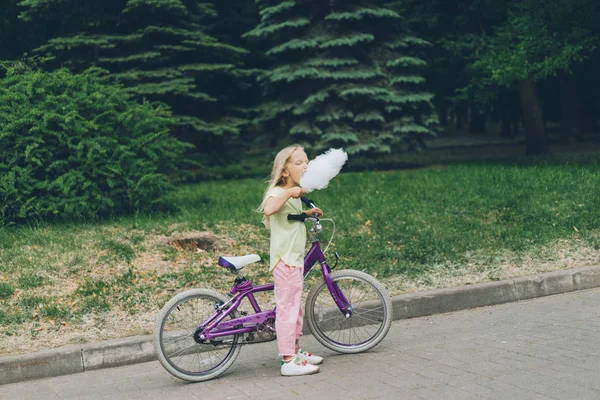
175	346
371	313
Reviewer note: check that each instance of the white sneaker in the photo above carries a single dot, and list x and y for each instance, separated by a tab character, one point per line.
309	357
296	367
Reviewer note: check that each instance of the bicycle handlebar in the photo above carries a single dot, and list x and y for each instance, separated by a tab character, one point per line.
303	217
309	203
297	217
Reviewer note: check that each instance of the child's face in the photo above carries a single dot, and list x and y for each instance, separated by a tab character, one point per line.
296	166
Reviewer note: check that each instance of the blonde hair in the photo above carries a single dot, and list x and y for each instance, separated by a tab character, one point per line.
277	179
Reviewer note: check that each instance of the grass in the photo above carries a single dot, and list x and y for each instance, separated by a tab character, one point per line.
413	229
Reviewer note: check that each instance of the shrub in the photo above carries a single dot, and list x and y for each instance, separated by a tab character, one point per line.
75	146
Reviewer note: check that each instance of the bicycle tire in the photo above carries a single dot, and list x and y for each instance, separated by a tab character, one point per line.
169	358
373	314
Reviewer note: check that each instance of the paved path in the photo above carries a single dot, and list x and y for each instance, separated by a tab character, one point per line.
546	348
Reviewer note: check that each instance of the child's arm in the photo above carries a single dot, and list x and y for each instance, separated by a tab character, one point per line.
274	203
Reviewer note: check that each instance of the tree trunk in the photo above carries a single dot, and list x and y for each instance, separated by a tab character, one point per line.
587	123
509	115
477	123
533	118
588	109
459	121
505	127
442	107
509	125
460	117
515	124
569	109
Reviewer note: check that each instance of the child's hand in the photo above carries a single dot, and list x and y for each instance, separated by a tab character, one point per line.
296	192
314	212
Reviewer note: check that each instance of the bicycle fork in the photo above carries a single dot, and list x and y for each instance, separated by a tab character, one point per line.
336	293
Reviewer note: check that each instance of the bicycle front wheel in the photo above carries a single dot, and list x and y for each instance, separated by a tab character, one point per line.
370	306
174	340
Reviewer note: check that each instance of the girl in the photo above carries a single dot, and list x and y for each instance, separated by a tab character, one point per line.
288	241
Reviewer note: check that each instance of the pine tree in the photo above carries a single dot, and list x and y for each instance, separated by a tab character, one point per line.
160	51
346	75
15	39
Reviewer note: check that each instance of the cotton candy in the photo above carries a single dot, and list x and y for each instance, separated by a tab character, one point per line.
322	169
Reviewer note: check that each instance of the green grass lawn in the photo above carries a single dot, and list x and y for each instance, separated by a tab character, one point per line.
413	229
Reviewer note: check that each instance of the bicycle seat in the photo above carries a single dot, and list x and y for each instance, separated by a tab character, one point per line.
236	263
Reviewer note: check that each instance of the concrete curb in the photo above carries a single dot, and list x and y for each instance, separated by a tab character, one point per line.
118	352
486	294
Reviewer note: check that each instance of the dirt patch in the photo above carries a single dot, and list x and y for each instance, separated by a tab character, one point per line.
200	241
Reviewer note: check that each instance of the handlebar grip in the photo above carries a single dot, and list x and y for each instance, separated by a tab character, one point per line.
308	202
297	217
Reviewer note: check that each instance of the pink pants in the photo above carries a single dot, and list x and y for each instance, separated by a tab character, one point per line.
289	282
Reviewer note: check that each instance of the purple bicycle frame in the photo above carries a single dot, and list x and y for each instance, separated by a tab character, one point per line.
216	327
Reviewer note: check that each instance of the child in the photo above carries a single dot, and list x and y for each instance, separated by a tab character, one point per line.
288	242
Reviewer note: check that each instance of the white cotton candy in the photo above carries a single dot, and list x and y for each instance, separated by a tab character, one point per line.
322	169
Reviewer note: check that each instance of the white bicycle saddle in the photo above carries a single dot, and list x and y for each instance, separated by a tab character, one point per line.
236	263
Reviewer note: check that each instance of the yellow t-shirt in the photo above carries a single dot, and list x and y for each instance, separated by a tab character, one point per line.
288	238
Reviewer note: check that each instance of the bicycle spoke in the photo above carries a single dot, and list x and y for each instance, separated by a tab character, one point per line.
178	338
192	362
370	313
181	354
361	318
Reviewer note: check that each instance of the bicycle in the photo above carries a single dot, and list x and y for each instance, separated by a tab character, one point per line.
348	311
